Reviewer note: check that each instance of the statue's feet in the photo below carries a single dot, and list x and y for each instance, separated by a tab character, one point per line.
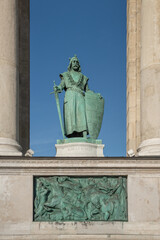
85	134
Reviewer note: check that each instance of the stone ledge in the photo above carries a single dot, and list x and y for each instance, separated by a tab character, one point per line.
83	230
80	162
79	166
80	237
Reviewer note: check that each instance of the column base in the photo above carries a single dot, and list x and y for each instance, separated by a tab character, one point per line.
79	149
9	147
149	147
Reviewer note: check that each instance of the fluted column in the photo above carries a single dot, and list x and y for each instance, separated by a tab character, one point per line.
150	78
133	73
9	78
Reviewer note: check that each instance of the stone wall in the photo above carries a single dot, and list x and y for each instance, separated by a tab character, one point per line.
16	198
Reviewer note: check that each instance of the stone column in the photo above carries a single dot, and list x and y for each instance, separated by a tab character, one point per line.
150	78
9	78
133	73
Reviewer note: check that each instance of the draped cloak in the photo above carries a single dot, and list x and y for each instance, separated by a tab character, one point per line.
74	113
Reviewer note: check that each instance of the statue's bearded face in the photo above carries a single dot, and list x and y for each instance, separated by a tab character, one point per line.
75	64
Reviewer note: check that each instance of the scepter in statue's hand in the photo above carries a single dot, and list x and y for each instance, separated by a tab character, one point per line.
56	91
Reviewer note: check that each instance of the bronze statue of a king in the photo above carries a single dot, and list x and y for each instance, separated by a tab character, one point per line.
83	109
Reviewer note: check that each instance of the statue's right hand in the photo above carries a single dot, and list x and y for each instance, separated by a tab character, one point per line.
57	89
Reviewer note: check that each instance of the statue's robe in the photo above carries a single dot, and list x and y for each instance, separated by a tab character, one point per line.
74	104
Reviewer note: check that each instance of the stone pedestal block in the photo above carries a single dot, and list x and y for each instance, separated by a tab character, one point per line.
79	149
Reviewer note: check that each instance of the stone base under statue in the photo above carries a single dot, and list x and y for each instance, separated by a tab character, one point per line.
79	147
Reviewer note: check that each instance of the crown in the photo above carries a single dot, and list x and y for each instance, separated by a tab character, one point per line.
75	56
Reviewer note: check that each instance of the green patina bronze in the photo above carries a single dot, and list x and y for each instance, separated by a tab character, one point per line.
80	199
83	109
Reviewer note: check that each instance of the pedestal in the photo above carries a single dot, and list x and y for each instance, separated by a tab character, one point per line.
79	147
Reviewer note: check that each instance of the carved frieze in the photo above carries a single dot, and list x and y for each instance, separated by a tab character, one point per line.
63	198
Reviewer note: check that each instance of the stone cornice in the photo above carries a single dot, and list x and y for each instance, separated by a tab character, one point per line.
74	166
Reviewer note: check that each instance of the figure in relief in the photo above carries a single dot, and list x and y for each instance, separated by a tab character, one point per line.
80	199
83	109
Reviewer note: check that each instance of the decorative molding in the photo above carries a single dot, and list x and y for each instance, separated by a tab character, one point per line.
80	166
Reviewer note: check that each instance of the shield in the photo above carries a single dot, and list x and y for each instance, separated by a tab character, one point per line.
94	104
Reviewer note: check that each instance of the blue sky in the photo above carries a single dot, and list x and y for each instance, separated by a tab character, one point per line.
96	32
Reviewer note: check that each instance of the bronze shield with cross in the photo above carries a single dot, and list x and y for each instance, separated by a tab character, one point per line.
94	104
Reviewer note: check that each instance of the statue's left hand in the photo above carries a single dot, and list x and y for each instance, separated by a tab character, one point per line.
100	96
